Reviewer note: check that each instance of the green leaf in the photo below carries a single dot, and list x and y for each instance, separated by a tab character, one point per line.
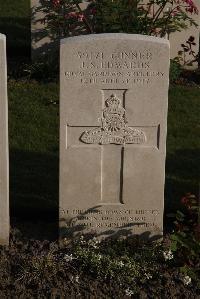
173	246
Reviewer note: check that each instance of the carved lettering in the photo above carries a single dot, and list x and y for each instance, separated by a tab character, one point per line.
132	67
132	55
91	55
114	65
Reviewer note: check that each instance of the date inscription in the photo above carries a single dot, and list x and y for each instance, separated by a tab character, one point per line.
135	67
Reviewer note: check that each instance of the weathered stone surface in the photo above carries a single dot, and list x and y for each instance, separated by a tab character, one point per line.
4	181
113	124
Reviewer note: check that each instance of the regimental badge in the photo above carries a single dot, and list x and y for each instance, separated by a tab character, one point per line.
114	128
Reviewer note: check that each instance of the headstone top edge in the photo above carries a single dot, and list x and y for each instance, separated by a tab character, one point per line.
117	36
2	36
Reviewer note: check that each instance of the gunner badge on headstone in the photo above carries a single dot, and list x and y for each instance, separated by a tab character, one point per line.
114	128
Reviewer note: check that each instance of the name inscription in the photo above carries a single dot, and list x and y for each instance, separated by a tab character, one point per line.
133	67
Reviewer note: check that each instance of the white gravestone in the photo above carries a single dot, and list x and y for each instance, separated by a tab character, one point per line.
113	124
4	181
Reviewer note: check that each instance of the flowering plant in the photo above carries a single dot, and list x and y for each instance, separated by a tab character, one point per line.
155	17
187	55
64	18
185	240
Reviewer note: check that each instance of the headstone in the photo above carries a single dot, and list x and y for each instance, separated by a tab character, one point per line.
113	124
4	181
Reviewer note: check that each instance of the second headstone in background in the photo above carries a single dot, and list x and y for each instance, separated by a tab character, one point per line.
4	179
113	109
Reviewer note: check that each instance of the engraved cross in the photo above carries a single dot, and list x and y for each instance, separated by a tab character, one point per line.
113	136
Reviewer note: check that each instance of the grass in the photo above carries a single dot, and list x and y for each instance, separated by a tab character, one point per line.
33	127
34	143
183	145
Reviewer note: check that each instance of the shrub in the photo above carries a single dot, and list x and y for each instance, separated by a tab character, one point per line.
87	268
157	17
185	240
175	70
187	55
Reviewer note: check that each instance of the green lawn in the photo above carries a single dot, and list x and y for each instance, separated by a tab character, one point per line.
33	129
34	143
183	144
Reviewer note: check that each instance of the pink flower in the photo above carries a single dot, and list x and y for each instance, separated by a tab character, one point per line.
190	2
93	11
191	6
56	3
75	15
81	17
71	15
174	13
185	200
